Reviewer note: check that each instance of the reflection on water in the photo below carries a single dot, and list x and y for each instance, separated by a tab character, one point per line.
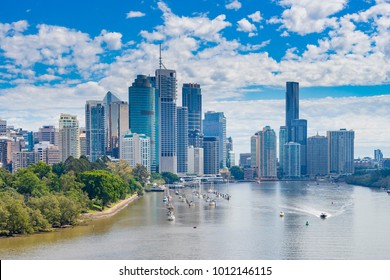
246	227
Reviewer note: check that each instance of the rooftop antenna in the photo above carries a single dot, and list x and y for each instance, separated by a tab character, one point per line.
161	64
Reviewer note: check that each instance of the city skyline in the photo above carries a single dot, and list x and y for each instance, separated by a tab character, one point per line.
243	55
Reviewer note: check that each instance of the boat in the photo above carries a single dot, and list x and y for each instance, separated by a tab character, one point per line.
212	203
388	192
165	199
191	204
323	215
170	206
307	223
171	217
281	214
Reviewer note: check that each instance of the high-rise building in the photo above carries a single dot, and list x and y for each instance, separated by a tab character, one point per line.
317	156
214	124
95	129
230	160
378	157
255	154
195	161
83	142
142	113
282	141
117	122
22	159
192	99
291	161
211	155
46	152
195	138
30	140
299	135
69	136
341	151
3	151
182	140
166	85
245	160
48	133
3	126
135	148
292	106
267	153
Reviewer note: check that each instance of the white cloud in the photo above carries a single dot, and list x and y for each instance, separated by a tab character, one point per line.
307	16
256	17
135	14
234	5
112	39
245	26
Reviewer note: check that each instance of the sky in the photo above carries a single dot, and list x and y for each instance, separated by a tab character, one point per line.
55	55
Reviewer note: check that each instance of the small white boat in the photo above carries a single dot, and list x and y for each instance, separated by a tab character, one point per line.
212	203
171	217
323	215
191	204
281	214
165	199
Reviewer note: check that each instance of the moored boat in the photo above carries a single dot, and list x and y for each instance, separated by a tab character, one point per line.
323	215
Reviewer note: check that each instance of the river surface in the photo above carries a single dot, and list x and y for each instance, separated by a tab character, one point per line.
248	226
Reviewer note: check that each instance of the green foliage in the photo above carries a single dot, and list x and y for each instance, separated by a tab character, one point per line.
237	172
376	179
27	183
40	169
141	174
101	184
6	177
77	165
170	178
59	168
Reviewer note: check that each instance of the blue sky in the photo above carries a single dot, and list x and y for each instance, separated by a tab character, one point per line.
55	55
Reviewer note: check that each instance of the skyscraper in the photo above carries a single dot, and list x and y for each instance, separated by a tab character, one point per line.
142	113
255	153
95	129
192	99
166	85
299	135
292	164
135	148
48	133
211	155
69	141
214	124
182	140
317	156
292	106
378	156
282	141
341	151
116	122
267	153
195	161
195	138
3	126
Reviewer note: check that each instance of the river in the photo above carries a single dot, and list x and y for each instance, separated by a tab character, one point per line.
247	226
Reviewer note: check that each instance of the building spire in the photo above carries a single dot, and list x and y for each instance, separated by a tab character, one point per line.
160	60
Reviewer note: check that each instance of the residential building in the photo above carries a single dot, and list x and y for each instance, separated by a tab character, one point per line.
192	99
135	148
195	161
292	106
48	133
282	140
69	141
299	135
267	154
341	151
245	160
291	161
211	155
317	156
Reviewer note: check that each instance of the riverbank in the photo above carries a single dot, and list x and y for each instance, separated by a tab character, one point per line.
111	211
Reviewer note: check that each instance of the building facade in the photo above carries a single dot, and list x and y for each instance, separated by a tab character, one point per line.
95	126
214	125
299	135
292	106
292	160
195	161
135	149
182	140
341	151
267	154
142	113
317	156
192	99
211	155
69	141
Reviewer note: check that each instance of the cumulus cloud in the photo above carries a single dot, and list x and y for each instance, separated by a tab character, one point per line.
135	14
307	16
256	16
234	5
245	26
112	39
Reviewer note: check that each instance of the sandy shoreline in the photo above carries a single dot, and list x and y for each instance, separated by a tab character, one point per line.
109	212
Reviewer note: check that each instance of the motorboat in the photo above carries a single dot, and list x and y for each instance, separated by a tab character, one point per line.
170	206
281	214
212	203
165	199
323	215
171	217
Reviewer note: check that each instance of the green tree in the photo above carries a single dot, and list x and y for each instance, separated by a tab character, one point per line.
141	174
49	207
59	168
27	183
237	172
121	168
40	169
170	178
101	184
